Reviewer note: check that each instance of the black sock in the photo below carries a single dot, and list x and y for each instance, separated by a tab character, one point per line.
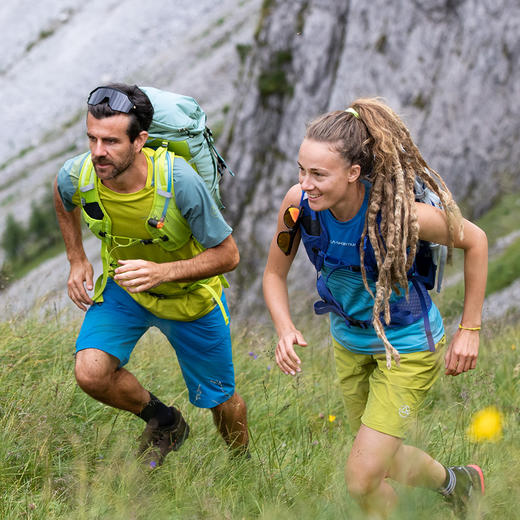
156	409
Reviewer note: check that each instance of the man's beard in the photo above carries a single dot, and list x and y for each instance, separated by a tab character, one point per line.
118	168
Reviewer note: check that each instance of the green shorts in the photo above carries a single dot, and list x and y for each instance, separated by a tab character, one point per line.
386	400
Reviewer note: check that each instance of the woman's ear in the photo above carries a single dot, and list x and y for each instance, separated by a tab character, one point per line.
354	172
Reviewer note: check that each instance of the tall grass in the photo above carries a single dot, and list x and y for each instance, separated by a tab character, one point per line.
65	456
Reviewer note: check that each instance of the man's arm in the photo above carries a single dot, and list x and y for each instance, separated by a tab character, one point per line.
142	275
81	271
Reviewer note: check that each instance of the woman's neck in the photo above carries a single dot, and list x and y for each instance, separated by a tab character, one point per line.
349	208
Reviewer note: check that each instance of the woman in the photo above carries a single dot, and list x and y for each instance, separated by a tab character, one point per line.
355	210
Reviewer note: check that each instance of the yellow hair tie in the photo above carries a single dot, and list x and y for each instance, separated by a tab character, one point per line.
469	328
350	110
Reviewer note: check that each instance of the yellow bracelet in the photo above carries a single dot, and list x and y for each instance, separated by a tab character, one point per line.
469	328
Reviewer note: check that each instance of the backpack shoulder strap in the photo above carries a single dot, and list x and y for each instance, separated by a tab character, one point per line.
94	214
162	163
96	218
438	255
313	232
165	223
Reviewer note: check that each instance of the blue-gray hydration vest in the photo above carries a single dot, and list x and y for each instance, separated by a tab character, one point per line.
403	311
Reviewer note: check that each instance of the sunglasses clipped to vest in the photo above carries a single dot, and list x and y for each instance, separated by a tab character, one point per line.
291	219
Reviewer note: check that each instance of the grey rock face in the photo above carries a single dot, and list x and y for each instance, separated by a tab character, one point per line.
449	67
55	51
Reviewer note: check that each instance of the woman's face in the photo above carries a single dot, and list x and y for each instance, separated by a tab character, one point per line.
325	177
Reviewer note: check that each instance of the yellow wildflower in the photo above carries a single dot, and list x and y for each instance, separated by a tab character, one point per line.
332	418
486	425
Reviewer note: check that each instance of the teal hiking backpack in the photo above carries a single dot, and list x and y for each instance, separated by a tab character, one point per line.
179	124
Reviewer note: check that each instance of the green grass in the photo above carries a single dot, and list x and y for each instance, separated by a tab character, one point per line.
503	270
64	455
502	218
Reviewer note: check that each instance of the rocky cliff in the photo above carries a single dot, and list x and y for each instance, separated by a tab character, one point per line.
449	67
55	52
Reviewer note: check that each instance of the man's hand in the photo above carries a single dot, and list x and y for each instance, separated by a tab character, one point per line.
80	281
139	275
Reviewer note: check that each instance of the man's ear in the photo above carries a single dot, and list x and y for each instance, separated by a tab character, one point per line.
354	173
140	141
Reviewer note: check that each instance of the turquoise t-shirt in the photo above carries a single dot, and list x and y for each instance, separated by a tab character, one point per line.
349	290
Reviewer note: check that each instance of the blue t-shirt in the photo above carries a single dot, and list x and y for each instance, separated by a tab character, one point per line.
349	290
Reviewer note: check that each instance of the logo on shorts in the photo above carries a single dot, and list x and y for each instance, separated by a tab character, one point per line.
405	411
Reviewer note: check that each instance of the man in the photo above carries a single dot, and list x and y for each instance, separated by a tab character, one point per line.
172	283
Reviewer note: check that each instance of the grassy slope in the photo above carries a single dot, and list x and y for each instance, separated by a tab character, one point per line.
63	455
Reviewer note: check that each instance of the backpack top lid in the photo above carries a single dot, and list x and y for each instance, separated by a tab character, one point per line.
179	124
174	113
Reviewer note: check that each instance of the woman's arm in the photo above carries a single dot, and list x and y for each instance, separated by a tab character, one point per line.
276	293
463	350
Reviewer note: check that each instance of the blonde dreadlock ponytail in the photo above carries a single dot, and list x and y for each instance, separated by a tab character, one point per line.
371	134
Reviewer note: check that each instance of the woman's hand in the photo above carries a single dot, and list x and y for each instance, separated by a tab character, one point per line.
285	354
462	353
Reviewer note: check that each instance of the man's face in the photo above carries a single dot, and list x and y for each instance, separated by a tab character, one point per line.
111	149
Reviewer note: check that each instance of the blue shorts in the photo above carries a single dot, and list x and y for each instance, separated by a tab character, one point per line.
203	346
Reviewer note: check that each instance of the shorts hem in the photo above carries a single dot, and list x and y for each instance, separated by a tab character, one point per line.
385	430
122	362
212	403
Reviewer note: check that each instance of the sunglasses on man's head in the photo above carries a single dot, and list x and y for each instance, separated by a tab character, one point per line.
285	239
117	100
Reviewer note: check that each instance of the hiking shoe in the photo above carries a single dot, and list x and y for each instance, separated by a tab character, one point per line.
157	441
469	487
